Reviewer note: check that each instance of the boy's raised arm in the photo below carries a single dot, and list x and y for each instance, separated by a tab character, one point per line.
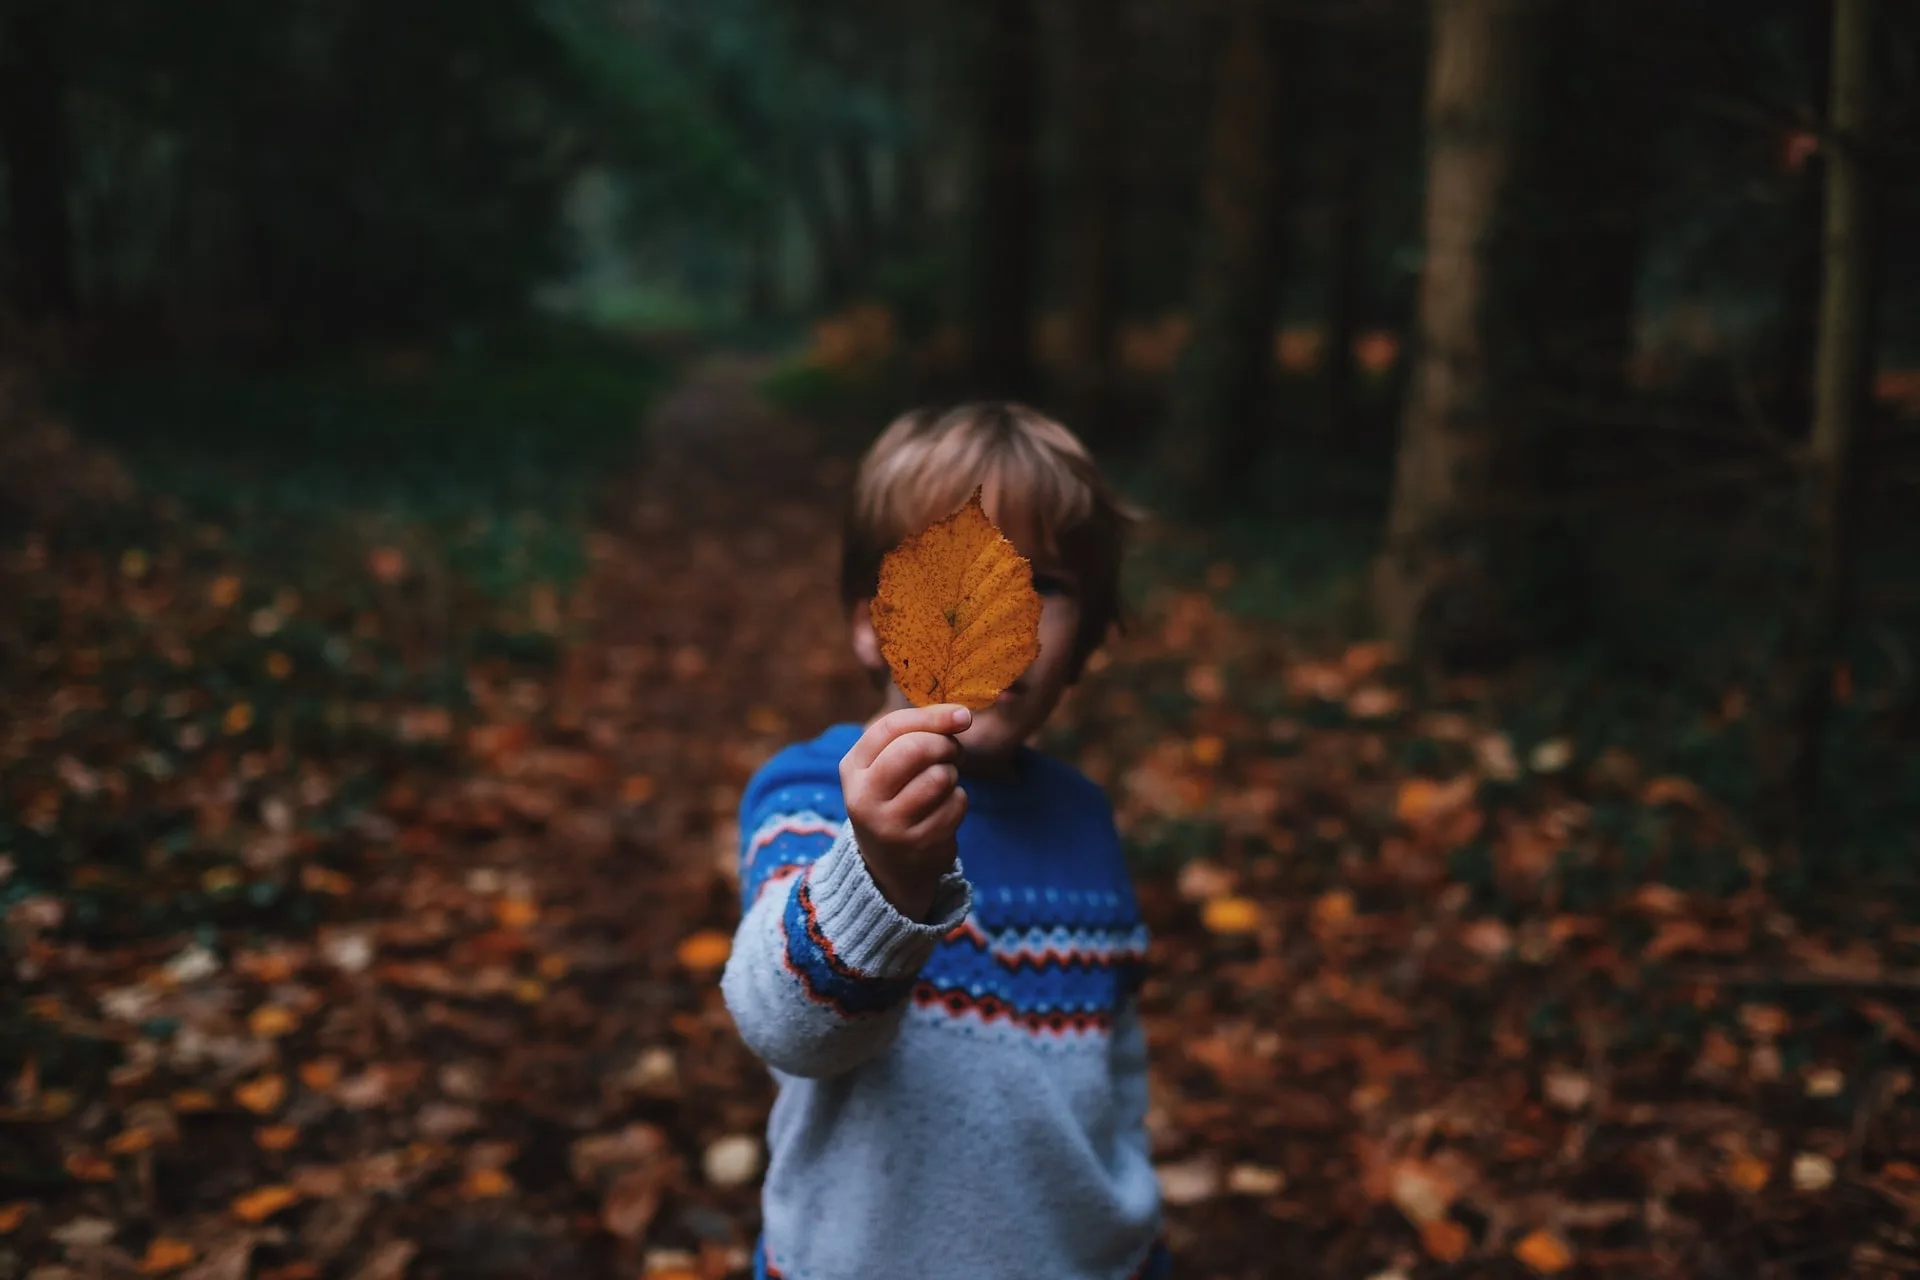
824	959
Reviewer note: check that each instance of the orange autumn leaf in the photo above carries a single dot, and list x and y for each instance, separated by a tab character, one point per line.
1544	1252
302	1270
12	1215
705	950
272	1020
1229	917
87	1167
262	1095
1444	1240
165	1254
1748	1173
956	613
321	1074
515	913
276	1137
486	1184
262	1203
130	1142
224	592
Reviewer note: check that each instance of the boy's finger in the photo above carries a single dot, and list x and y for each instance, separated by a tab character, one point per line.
945	717
923	792
942	822
906	758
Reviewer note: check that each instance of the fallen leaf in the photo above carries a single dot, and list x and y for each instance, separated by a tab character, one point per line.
1445	1240
1420	1191
1825	1082
1672	790
263	1202
704	951
130	1142
263	1094
1812	1171
1551	756
321	1074
1231	917
1333	910
1545	1252
388	565
88	1167
1490	939
1255	1180
271	1021
596	1153
1567	1090
631	1202
166	1254
486	1184
1748	1173
232	1259
732	1161
956	613
12	1215
1204	683
85	1232
515	913
1190	1181
388	1262
1375	702
276	1137
1201	880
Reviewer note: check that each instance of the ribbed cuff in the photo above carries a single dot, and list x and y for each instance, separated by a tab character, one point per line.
867	934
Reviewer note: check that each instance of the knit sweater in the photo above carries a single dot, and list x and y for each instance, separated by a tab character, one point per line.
962	1098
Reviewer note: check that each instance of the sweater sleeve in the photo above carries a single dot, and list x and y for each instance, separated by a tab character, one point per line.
822	963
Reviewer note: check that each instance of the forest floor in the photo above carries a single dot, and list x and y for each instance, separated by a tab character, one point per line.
321	972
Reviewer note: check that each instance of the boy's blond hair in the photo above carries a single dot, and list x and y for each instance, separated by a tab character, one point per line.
925	464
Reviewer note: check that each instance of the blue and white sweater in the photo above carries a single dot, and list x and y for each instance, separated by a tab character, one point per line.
964	1098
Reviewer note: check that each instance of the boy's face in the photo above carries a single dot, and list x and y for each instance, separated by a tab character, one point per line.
999	730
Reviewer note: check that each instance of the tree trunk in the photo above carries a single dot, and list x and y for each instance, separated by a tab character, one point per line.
1095	190
1222	389
1434	578
1005	266
834	276
1842	372
37	151
1792	367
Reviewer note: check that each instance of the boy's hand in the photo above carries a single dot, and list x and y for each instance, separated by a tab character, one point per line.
901	782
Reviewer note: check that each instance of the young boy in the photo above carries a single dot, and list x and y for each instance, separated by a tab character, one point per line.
941	946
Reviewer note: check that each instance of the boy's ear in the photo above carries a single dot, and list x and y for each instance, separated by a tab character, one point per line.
866	644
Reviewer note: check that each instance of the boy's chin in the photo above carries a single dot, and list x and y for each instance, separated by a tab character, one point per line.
993	735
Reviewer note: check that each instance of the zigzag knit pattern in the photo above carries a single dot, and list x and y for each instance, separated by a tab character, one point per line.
1046	953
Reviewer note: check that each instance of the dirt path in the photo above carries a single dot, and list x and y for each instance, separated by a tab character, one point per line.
709	636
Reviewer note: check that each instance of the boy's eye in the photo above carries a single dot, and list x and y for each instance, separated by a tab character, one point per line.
1048	584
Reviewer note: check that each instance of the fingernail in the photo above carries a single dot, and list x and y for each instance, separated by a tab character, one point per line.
962	717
